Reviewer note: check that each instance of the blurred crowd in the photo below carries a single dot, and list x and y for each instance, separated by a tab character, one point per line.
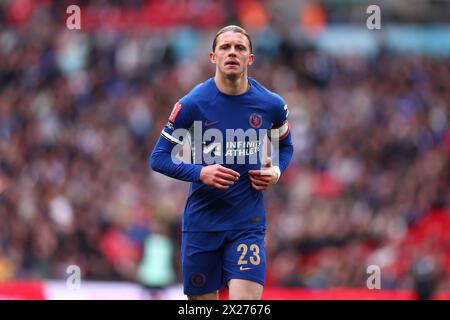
81	111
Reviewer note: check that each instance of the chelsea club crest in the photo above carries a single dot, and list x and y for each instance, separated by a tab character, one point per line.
255	120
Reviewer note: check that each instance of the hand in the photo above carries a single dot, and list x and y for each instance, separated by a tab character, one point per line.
218	176
263	179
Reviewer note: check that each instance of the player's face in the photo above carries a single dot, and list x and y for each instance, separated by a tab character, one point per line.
232	54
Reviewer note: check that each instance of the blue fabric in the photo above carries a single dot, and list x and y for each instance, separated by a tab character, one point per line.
211	259
241	206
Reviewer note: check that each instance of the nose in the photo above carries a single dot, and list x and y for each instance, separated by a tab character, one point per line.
232	52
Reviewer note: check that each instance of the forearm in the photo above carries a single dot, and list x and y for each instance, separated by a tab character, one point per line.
282	153
162	162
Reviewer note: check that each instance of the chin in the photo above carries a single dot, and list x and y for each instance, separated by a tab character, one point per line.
233	73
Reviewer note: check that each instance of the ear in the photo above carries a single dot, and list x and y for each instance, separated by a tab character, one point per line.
251	59
212	57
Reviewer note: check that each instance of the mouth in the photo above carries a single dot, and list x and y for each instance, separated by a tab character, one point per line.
232	64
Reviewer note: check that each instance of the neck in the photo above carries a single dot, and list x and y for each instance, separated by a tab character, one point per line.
232	86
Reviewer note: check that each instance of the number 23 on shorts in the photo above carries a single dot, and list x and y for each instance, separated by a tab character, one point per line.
254	256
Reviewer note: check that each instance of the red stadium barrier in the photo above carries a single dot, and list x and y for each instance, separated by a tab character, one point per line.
339	294
22	290
35	290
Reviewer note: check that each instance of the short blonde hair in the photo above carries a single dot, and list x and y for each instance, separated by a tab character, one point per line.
232	28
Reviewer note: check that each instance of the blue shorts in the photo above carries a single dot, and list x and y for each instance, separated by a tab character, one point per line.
211	259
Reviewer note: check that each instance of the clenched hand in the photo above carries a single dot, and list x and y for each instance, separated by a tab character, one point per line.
218	176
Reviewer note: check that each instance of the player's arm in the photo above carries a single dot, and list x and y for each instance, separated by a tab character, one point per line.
282	150
281	139
162	158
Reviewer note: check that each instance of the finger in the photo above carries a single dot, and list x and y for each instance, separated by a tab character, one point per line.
229	171
220	186
224	182
268	162
266	172
226	176
258	187
255	172
260	172
260	179
259	182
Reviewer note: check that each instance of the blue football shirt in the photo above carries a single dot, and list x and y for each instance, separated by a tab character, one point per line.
225	129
